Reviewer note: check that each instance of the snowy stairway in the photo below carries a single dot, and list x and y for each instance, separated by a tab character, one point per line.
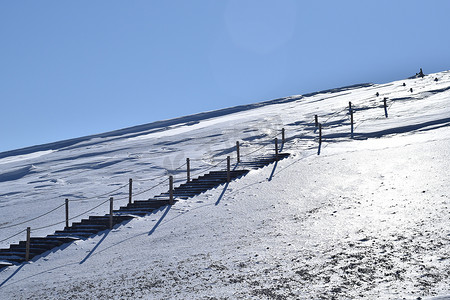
186	190
86	228
264	161
141	207
203	183
38	245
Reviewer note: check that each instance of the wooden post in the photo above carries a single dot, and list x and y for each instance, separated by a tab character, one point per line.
276	149
282	136
385	107
130	190
188	169
111	204
316	120
228	169
351	120
171	190
27	245
237	152
67	212
320	133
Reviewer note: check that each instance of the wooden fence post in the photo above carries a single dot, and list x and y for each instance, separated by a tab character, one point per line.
385	107
228	169
171	190
67	212
282	136
111	205
351	117
320	133
188	169
27	245
237	152
276	149
316	121
130	191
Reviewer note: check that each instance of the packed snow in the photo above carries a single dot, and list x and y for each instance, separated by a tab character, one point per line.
356	218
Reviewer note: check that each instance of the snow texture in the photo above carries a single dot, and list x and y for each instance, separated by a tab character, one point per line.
367	218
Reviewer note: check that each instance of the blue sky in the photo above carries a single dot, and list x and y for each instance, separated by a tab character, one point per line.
75	68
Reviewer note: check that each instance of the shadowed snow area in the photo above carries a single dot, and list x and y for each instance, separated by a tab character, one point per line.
368	218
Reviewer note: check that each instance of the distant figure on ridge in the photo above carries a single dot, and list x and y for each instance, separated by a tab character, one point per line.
436	79
377	94
411	90
404	84
420	74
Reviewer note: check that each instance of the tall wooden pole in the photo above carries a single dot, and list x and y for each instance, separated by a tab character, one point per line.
67	212
130	190
228	169
320	133
282	136
27	245
237	152
111	205
351	117
316	121
171	190
276	149
188	169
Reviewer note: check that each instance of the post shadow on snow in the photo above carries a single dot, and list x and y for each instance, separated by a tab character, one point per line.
221	194
225	187
160	220
61	247
273	170
37	274
167	208
12	275
95	248
425	126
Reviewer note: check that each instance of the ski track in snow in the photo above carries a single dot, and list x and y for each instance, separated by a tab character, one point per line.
366	219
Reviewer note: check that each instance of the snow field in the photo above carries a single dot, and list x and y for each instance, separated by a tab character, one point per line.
366	219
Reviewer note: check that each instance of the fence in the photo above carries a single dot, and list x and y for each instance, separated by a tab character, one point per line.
271	140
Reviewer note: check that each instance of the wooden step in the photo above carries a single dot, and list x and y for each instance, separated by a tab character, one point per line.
95	224
4	264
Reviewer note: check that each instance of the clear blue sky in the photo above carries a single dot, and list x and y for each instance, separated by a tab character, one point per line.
74	68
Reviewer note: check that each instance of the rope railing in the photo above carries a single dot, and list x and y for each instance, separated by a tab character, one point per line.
32	219
100	195
203	170
14	235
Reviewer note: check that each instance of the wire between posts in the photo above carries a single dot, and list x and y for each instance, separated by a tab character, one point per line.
56	208
35	218
262	147
74	217
12	236
205	170
338	112
161	176
147	190
99	196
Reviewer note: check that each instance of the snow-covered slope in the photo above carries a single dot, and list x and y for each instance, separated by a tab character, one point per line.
366	218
